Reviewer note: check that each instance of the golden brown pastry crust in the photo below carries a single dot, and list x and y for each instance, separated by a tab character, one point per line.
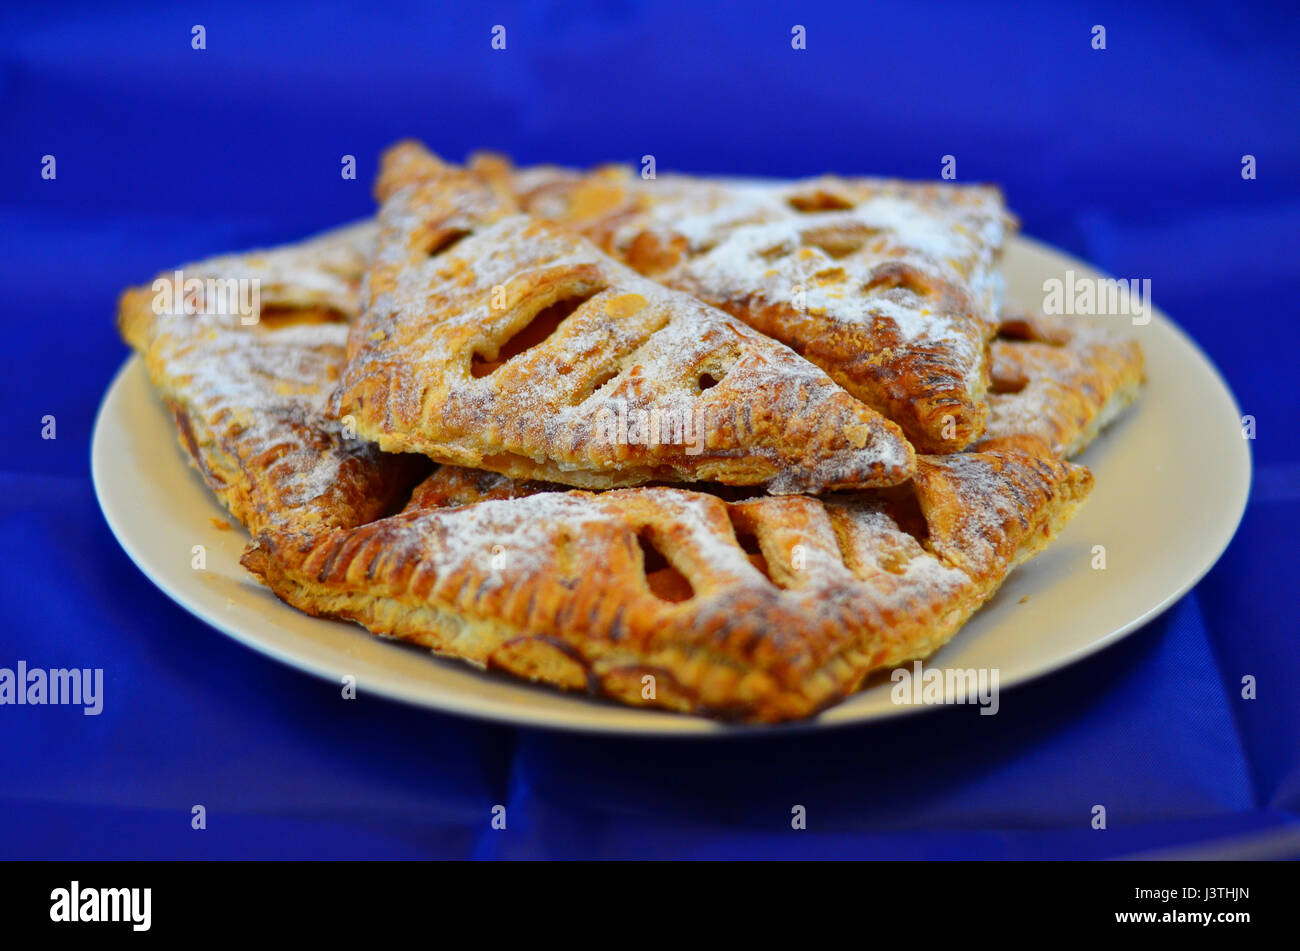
1057	382
563	588
320	275
889	286
249	400
633	383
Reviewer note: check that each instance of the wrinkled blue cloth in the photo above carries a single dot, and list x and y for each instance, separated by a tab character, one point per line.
1129	157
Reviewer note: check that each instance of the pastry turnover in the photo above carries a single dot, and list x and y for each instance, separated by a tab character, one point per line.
765	609
321	274
1057	382
249	400
889	286
490	339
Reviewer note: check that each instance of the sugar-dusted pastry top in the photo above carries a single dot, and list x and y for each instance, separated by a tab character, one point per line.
249	400
889	286
493	340
1058	381
764	609
323	272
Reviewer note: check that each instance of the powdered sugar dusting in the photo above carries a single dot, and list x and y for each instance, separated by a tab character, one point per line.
471	535
324	271
781	260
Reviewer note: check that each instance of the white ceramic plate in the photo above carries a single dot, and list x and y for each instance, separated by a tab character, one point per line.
1172	479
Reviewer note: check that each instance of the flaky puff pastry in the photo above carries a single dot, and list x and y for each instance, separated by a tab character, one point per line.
766	609
889	286
319	275
248	399
493	340
1057	382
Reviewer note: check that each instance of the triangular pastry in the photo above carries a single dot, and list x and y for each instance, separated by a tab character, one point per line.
322	274
1057	382
490	339
889	286
249	399
765	609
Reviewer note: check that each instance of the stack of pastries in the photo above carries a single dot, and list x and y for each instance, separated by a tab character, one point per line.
719	446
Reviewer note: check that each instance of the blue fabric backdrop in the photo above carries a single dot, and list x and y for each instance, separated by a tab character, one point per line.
1129	157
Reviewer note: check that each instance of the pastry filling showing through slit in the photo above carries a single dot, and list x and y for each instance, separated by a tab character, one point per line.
817	201
748	543
894	276
839	242
276	316
446	240
904	508
533	334
1006	384
664	581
